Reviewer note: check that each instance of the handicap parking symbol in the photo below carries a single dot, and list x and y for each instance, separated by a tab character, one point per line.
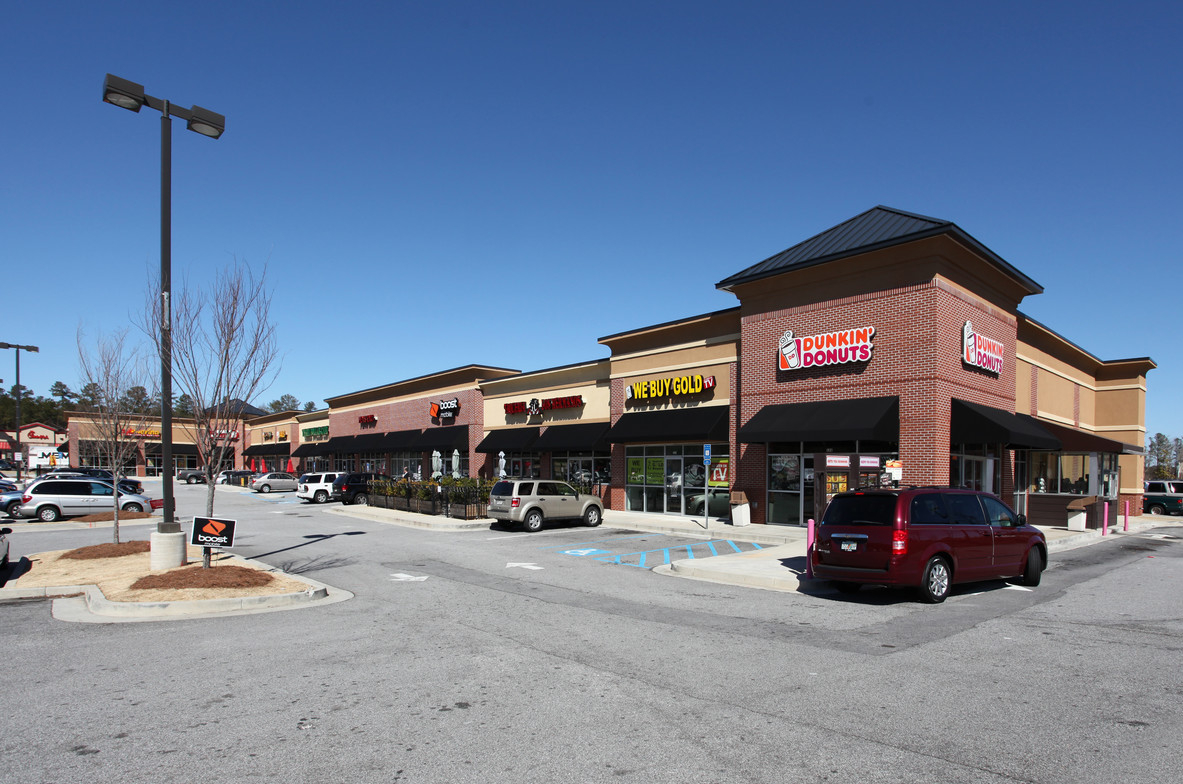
584	552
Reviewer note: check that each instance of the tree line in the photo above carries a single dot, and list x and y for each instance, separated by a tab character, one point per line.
52	409
1163	456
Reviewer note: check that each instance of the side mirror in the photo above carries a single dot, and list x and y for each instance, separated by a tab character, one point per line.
1020	520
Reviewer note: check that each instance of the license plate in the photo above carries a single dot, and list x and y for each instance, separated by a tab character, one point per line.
849	546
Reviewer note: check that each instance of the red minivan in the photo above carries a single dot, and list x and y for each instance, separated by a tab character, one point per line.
928	537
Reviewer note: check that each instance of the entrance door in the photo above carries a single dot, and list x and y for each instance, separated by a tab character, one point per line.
673	485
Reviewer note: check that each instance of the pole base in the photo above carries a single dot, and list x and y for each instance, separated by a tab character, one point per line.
168	550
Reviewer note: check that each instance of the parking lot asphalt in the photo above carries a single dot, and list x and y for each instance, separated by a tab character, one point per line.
772	559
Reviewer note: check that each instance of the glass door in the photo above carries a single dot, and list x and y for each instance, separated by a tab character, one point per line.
673	485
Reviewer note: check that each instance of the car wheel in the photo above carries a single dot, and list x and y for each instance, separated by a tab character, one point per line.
593	516
320	497
937	579
361	499
1157	509
48	514
10	510
133	508
1034	568
265	489
845	587
192	480
533	521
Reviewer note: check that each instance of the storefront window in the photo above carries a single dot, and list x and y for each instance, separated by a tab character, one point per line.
408	464
1052	472
673	479
784	489
343	463
582	468
372	462
526	465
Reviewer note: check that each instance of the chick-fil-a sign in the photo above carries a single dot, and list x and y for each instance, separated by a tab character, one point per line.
980	351
832	348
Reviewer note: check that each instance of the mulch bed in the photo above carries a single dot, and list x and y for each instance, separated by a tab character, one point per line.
106	517
110	550
197	577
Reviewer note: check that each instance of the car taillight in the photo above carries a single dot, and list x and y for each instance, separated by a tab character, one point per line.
515	501
26	498
899	542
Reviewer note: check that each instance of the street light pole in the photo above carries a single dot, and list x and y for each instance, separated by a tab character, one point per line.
19	395
131	96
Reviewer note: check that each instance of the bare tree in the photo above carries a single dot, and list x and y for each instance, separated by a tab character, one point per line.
109	371
224	351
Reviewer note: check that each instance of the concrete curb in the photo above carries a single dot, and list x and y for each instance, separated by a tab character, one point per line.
71	602
409	519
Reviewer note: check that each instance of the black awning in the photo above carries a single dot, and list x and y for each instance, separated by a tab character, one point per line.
702	423
864	419
451	437
973	423
267	449
513	439
340	445
309	450
586	437
154	448
368	442
1073	440
400	440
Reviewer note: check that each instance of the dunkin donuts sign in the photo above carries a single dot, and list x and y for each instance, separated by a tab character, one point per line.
833	348
980	351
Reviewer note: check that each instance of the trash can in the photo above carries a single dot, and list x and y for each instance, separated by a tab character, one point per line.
741	510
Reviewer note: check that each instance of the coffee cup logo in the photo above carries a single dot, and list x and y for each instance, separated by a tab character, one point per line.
790	357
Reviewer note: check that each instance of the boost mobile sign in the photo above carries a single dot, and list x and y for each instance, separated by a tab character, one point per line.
212	532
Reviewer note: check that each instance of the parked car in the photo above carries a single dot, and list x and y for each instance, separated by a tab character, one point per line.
55	498
716	500
1162	497
6	486
354	488
125	485
531	502
274	480
317	488
4	547
931	538
234	478
10	502
191	476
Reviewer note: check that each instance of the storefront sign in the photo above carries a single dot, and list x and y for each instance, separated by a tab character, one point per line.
980	351
221	435
368	420
212	532
834	348
283	435
142	432
445	409
268	436
677	386
535	407
314	433
837	461
868	462
36	436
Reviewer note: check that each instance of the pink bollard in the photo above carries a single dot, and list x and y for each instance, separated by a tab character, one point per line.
1127	516
809	549
1105	522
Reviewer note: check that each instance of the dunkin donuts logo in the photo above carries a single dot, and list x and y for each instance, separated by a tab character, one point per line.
834	348
980	351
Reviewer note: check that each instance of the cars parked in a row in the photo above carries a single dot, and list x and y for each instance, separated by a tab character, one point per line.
55	497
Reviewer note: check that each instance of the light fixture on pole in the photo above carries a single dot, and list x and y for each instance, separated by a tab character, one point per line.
19	394
131	96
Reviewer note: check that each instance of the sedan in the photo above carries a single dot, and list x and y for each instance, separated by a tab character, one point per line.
275	480
11	501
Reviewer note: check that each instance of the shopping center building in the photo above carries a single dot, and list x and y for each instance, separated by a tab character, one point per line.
887	350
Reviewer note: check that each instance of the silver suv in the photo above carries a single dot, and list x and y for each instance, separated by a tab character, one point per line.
530	502
52	499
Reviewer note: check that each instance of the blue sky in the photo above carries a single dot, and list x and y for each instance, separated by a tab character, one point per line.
437	184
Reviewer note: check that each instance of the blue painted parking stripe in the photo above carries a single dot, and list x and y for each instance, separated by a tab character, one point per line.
593	542
642	556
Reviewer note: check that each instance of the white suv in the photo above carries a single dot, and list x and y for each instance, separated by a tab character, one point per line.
316	488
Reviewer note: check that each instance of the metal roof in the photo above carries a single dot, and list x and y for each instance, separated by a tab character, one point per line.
878	227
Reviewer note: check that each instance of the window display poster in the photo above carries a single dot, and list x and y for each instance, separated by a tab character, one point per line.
655	471
784	472
720	475
636	470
